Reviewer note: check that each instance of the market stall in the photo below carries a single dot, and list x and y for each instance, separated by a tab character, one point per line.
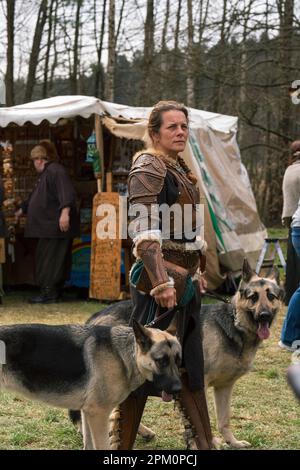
96	141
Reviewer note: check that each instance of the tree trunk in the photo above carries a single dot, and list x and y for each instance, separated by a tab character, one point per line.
190	95
76	53
9	76
48	48
165	28
99	47
220	73
285	59
55	53
164	51
35	50
120	22
177	28
199	57
174	76
148	54
110	75
243	67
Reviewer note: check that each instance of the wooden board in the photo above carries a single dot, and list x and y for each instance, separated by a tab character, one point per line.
105	276
2	250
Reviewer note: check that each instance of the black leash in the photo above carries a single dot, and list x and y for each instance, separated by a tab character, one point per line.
208	293
159	318
214	295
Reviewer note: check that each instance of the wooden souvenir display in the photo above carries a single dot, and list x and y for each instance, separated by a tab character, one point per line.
9	203
105	279
105	253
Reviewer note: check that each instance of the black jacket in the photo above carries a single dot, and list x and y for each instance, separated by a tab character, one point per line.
53	191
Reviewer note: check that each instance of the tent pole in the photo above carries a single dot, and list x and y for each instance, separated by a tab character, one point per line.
99	143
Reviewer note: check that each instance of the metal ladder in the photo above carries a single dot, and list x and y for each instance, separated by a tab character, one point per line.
270	262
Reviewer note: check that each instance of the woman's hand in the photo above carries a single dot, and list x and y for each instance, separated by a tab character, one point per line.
166	298
202	284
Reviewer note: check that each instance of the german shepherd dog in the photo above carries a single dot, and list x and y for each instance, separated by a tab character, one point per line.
231	333
89	368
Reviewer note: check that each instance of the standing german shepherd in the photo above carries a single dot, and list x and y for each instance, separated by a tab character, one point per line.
89	368
231	333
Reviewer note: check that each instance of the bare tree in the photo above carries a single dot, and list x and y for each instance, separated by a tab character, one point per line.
246	17
177	27
35	50
165	28
190	97
286	33
76	50
220	72
52	8
164	52
148	53
9	77
54	41
98	90
109	83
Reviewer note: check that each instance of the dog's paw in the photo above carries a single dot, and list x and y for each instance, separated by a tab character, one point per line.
146	433
191	444
218	443
239	444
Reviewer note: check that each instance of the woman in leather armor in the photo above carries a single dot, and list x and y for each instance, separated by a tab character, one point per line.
170	256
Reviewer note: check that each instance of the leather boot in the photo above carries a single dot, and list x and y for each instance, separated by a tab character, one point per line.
194	407
131	411
48	295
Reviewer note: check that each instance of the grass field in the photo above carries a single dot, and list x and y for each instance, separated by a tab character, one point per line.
264	410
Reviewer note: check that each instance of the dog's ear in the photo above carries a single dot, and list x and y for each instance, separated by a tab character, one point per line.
274	275
281	294
142	336
247	271
172	328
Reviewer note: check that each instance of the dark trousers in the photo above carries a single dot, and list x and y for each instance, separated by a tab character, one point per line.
53	261
292	271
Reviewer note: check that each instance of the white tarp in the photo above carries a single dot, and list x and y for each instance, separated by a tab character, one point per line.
53	109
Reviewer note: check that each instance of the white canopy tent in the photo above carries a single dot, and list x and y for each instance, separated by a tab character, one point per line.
53	109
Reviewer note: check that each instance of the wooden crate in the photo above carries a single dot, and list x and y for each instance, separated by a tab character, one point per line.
105	276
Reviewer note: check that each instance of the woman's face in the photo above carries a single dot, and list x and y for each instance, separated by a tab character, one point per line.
173	133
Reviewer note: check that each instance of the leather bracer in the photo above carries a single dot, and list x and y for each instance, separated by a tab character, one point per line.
150	253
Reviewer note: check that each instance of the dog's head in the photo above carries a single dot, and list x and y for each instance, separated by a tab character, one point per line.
257	301
158	356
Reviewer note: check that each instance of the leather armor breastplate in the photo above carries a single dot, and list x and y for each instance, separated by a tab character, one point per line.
188	194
